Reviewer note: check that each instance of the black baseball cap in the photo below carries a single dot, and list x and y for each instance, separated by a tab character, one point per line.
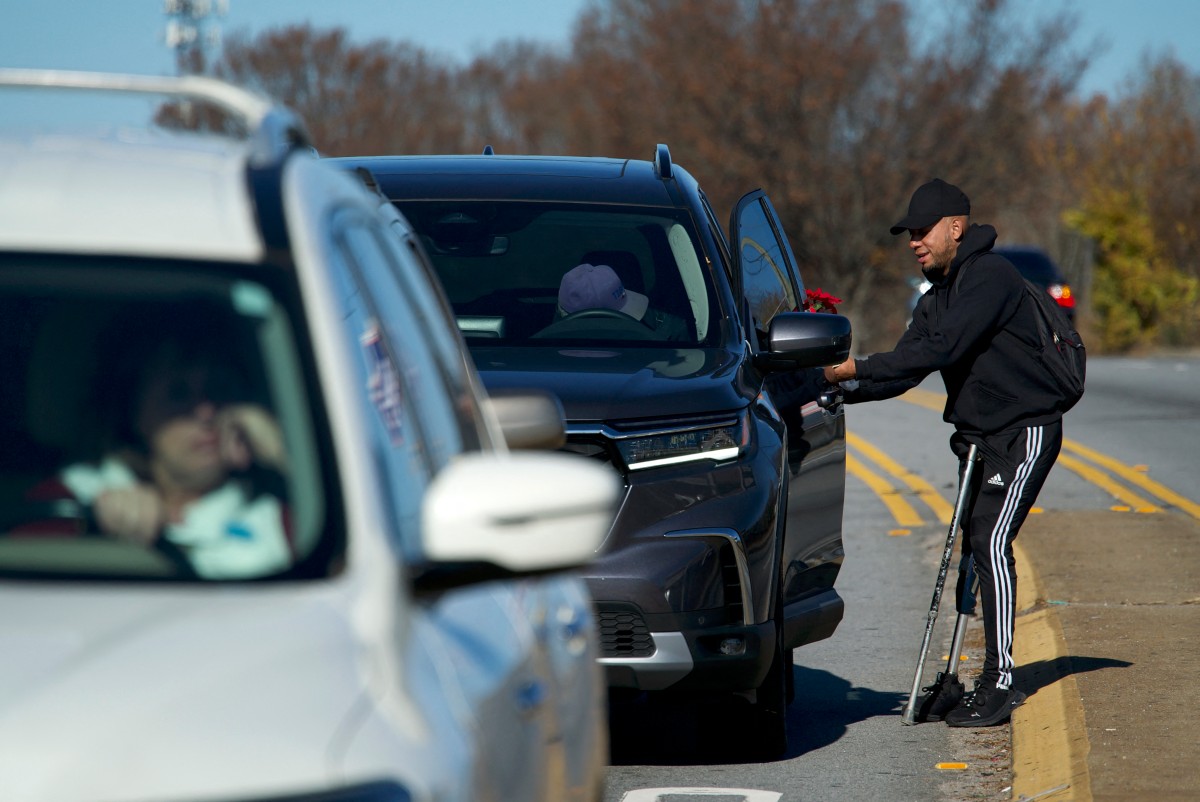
930	203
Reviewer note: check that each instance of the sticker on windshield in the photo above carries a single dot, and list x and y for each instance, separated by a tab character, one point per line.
383	383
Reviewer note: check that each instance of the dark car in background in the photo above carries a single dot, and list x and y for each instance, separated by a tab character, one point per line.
1036	266
697	382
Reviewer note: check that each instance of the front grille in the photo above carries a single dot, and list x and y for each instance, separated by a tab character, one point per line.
623	633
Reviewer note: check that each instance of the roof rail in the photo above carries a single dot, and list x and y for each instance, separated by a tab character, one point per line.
662	161
272	128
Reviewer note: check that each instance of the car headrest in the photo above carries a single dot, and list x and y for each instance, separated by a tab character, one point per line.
624	264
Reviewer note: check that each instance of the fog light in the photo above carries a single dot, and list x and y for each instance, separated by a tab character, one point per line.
733	646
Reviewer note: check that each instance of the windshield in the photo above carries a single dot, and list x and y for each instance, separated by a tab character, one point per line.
157	425
528	274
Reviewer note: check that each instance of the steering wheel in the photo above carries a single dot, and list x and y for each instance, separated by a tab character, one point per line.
603	313
82	518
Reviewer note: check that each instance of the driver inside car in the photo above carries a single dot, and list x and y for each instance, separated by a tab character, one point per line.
589	286
192	469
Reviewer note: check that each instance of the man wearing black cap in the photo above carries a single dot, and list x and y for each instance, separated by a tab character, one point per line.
977	328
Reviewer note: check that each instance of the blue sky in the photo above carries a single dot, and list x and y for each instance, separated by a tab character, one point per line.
127	35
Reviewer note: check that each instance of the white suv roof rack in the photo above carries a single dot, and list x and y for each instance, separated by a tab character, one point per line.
272	128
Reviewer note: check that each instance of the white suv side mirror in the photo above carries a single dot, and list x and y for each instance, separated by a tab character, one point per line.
521	511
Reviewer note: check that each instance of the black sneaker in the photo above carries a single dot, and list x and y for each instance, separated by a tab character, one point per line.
938	699
986	707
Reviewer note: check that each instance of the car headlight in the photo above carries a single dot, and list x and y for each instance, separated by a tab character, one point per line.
709	440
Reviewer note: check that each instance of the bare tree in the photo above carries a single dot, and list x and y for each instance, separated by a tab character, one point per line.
375	98
835	108
506	97
1157	129
1137	195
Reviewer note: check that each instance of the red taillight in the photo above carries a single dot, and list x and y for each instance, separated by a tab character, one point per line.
1062	294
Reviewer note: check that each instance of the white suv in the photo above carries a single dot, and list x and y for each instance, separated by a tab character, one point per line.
259	540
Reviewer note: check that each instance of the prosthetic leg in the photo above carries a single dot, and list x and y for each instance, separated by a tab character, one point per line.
947	690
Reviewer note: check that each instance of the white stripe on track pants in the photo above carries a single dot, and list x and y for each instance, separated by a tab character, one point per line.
1012	467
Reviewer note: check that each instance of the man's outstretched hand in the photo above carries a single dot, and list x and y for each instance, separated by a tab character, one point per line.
840	373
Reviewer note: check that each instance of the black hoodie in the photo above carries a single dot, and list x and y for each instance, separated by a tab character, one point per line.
977	327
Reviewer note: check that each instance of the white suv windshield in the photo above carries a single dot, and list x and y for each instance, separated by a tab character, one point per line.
157	425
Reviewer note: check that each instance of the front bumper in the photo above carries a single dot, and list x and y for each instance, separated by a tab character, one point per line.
655	652
695	660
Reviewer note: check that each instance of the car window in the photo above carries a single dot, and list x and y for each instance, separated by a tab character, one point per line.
718	236
158	424
396	442
766	273
420	419
404	323
503	264
420	284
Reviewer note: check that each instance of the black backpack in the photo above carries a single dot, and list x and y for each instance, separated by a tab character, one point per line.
1061	350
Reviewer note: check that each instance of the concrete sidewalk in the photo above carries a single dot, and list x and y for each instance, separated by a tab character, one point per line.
1108	649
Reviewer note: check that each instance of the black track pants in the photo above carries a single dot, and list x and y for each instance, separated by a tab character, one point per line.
1012	467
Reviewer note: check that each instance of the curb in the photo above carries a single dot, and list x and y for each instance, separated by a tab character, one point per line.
1049	738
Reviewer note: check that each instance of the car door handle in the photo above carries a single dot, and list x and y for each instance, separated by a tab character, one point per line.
830	399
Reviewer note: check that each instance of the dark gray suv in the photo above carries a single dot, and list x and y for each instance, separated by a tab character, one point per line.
684	363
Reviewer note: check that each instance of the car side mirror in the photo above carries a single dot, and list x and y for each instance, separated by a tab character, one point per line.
493	515
806	340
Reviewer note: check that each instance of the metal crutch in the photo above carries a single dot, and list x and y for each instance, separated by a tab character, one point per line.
947	691
909	715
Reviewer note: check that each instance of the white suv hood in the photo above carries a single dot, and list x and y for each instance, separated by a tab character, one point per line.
119	693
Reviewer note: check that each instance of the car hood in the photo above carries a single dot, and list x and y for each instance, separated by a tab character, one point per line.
599	384
150	693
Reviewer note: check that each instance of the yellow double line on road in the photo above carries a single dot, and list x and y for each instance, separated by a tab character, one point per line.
1129	474
905	513
1130	500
